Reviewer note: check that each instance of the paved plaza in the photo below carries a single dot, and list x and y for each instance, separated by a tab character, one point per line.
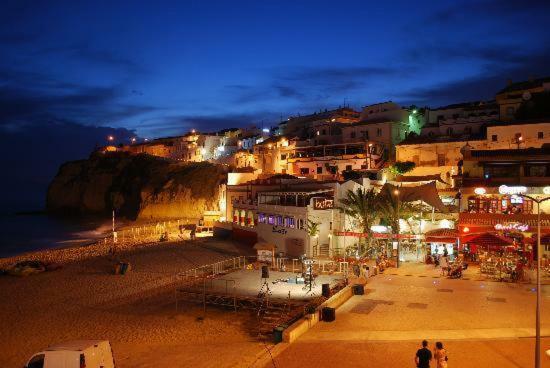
483	324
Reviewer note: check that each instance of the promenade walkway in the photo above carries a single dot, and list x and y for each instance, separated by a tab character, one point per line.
483	324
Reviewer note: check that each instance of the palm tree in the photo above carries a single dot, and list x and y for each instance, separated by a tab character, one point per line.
312	229
361	205
393	206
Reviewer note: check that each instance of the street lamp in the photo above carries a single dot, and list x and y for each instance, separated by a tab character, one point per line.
396	193
539	256
110	138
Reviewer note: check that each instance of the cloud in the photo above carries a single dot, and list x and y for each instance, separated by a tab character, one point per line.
85	52
495	8
484	85
28	97
312	85
38	149
181	124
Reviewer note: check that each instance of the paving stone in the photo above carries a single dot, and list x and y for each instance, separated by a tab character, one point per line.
367	306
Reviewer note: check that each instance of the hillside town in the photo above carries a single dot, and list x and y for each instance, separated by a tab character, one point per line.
466	177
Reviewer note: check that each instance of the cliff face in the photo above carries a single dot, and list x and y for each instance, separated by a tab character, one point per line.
136	186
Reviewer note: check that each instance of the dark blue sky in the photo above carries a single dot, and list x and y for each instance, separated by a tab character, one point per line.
161	68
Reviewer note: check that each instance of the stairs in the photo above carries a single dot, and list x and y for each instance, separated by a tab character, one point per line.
324	250
271	317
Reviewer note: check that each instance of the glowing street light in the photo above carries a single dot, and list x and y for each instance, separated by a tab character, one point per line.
110	138
134	140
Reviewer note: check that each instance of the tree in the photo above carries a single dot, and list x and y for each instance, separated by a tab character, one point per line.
402	167
313	229
393	206
361	205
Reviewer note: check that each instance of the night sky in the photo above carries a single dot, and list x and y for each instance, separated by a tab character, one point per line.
72	72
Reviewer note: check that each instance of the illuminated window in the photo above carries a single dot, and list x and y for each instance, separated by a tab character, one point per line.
262	218
279	220
290	222
271	219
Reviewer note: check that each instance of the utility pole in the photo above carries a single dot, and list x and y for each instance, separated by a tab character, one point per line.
396	192
539	256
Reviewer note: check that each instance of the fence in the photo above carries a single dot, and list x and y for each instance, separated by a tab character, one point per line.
193	283
146	233
212	269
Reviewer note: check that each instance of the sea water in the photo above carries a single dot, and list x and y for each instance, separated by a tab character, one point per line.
20	233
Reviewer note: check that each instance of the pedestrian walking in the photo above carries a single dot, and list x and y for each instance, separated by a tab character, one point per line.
423	356
440	355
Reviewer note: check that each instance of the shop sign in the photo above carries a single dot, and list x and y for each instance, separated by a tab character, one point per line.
323	203
278	229
512	226
265	255
504	189
480	191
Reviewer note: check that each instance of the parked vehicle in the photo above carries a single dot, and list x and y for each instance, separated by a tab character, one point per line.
75	354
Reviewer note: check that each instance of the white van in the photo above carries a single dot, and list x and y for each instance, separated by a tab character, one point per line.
75	354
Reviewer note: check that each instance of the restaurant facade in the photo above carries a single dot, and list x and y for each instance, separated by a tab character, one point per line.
499	195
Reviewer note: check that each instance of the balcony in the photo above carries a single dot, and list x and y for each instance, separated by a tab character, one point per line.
247	204
528	181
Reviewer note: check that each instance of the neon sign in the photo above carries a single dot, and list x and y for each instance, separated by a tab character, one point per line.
512	226
504	189
323	203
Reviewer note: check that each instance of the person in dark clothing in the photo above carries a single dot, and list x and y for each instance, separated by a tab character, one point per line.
423	356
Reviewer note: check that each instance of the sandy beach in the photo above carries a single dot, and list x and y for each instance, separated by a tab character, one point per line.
136	311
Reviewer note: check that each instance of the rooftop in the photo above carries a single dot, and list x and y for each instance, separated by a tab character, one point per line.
467	105
518	86
76	345
422	139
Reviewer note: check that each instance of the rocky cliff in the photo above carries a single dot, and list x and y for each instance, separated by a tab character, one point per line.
138	187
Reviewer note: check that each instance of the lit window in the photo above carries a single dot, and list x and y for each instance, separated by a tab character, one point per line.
261	218
271	219
290	222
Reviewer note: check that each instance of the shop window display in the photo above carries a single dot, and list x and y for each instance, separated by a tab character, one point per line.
505	205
